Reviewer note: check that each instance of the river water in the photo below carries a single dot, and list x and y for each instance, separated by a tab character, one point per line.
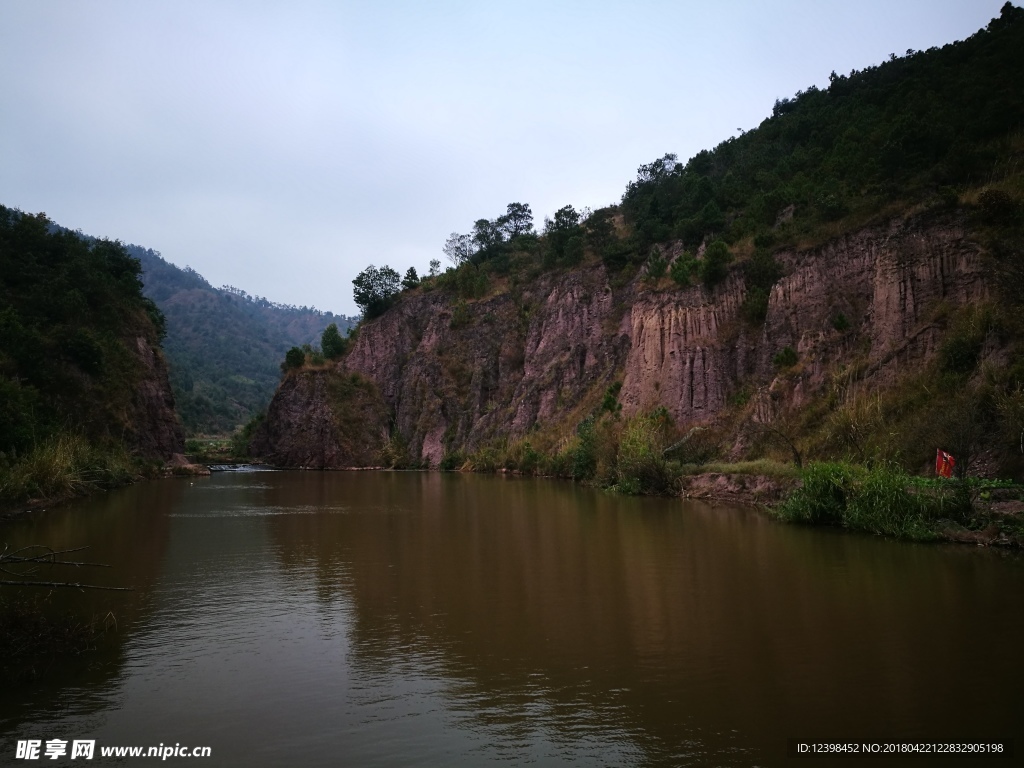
402	618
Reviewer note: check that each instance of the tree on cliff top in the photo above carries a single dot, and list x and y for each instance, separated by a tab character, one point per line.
375	289
331	342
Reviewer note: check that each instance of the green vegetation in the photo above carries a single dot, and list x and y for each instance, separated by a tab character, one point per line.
223	345
785	358
683	269
332	344
66	465
72	311
886	500
375	289
902	131
626	455
714	267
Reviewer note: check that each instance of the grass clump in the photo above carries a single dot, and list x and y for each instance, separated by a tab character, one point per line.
62	467
883	500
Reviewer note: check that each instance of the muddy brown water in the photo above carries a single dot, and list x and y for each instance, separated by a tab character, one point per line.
393	618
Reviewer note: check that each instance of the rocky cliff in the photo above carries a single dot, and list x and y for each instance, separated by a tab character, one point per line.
541	356
153	428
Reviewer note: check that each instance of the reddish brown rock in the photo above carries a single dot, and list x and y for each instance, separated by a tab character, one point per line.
544	355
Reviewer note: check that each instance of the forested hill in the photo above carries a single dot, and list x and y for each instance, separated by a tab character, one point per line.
81	375
924	124
224	347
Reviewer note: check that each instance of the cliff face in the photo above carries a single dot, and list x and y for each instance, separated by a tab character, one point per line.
321	419
154	429
690	351
544	356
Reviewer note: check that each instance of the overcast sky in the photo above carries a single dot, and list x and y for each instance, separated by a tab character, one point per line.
281	147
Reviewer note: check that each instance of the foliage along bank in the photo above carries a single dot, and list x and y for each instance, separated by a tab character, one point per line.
84	396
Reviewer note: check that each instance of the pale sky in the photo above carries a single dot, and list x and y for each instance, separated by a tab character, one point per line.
282	147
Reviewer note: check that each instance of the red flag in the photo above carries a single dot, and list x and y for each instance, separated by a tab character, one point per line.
944	463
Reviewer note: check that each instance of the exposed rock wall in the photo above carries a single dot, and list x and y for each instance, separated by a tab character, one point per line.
154	429
546	354
321	419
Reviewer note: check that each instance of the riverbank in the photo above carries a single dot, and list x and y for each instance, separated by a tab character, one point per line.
885	500
882	500
70	467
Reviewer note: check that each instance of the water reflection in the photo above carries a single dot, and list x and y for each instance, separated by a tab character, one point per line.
681	630
411	618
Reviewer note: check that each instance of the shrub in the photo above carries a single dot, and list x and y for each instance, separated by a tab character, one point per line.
683	268
332	343
823	496
640	466
584	454
656	264
460	315
998	207
786	358
451	462
241	440
715	266
294	358
882	500
610	402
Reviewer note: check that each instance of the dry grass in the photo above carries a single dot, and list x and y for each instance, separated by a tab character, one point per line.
63	467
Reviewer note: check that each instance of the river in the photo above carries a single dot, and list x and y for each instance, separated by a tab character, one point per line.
405	618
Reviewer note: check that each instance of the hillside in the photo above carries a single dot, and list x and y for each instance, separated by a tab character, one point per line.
223	346
842	282
83	383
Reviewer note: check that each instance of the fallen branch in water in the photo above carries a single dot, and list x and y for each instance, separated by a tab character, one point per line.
73	585
30	565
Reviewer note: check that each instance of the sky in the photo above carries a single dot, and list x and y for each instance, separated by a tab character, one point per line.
283	147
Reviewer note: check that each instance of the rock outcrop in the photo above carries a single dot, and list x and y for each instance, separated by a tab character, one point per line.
545	354
322	419
154	430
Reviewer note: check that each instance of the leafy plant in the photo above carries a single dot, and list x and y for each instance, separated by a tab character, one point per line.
785	358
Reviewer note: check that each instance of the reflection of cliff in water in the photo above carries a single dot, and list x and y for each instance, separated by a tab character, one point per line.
127	529
546	606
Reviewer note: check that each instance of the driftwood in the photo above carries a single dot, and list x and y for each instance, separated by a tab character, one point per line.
21	563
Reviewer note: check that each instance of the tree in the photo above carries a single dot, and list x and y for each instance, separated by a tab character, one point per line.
295	358
714	267
459	248
435	268
375	289
487	235
561	229
518	220
331	342
600	229
411	279
566	219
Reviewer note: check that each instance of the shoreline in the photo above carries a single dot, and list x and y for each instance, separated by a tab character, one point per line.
763	492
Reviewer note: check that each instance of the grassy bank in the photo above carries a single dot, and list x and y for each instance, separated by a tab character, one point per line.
63	467
886	500
646	455
643	455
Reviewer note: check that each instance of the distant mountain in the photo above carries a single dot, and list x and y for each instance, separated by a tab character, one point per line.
223	346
